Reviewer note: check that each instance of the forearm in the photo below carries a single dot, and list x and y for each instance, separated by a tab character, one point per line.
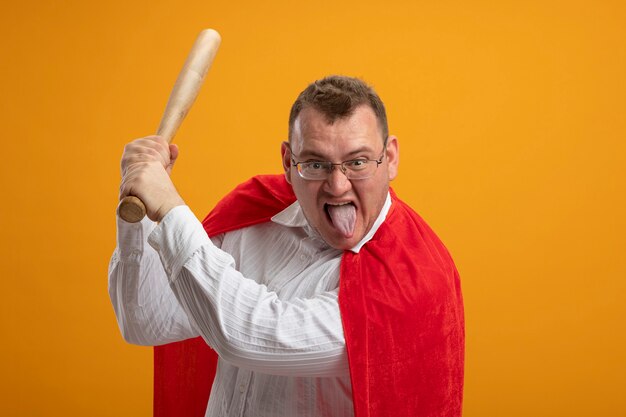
146	309
244	322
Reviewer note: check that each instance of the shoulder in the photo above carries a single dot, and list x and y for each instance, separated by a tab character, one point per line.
405	228
252	202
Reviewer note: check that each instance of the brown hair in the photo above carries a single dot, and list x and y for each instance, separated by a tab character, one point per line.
337	97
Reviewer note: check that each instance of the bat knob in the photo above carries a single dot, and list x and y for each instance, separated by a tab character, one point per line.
131	209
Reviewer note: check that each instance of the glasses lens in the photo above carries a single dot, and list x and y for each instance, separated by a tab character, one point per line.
313	170
359	169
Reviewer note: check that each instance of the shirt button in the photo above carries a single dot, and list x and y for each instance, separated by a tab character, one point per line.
242	388
303	257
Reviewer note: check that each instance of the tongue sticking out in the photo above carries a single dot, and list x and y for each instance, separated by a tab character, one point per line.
344	218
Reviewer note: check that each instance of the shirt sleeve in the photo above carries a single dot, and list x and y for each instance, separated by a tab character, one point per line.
146	309
247	324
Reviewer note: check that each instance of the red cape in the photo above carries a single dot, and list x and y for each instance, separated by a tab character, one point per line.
401	309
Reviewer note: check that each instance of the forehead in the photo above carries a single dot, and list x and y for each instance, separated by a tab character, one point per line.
315	134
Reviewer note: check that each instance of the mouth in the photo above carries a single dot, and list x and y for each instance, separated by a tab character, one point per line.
342	216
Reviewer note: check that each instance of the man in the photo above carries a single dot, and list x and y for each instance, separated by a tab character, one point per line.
263	291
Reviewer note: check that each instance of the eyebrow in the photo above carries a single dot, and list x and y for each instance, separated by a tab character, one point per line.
313	154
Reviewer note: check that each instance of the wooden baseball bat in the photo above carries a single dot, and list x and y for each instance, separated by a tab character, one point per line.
182	97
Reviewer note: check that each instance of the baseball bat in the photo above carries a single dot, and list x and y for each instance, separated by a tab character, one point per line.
182	97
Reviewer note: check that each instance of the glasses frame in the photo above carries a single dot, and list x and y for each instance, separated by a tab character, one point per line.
341	165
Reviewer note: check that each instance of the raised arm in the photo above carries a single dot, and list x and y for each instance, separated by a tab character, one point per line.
245	323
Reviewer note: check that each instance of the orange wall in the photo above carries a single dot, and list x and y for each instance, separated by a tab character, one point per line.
511	119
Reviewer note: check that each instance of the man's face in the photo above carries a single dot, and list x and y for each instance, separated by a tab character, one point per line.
354	137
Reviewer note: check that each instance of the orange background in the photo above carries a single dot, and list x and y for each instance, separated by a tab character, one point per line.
511	119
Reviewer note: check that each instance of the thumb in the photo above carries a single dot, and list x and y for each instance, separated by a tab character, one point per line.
173	157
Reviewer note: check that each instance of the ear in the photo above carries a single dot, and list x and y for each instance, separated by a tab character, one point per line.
285	152
393	157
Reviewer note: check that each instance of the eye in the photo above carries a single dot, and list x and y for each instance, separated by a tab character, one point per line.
314	165
356	164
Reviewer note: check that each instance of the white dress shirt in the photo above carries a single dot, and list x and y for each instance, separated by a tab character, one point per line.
266	302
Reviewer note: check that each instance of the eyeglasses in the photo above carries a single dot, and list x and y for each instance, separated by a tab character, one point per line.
354	169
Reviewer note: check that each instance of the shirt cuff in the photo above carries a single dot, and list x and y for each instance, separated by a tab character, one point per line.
176	238
131	238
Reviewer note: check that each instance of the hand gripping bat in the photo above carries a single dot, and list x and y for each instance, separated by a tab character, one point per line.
184	93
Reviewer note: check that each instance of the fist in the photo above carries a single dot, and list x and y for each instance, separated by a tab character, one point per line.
146	167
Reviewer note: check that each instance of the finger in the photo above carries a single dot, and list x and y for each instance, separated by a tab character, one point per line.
173	156
145	149
124	188
136	160
132	177
156	147
129	182
138	174
164	149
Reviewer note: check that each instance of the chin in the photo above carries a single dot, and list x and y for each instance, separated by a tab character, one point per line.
341	243
344	246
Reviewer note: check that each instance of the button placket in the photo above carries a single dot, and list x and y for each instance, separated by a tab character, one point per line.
243	385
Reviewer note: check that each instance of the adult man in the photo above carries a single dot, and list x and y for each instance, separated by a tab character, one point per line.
264	294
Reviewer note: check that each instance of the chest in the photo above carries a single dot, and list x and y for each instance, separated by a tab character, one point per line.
285	259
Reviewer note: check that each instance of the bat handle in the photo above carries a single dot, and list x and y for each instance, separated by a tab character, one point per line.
131	209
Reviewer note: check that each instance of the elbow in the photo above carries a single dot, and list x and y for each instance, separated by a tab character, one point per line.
134	333
132	339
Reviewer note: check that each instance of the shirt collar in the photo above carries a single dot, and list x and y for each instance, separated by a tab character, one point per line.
293	216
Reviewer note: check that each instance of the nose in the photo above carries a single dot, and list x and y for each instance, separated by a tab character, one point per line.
337	183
